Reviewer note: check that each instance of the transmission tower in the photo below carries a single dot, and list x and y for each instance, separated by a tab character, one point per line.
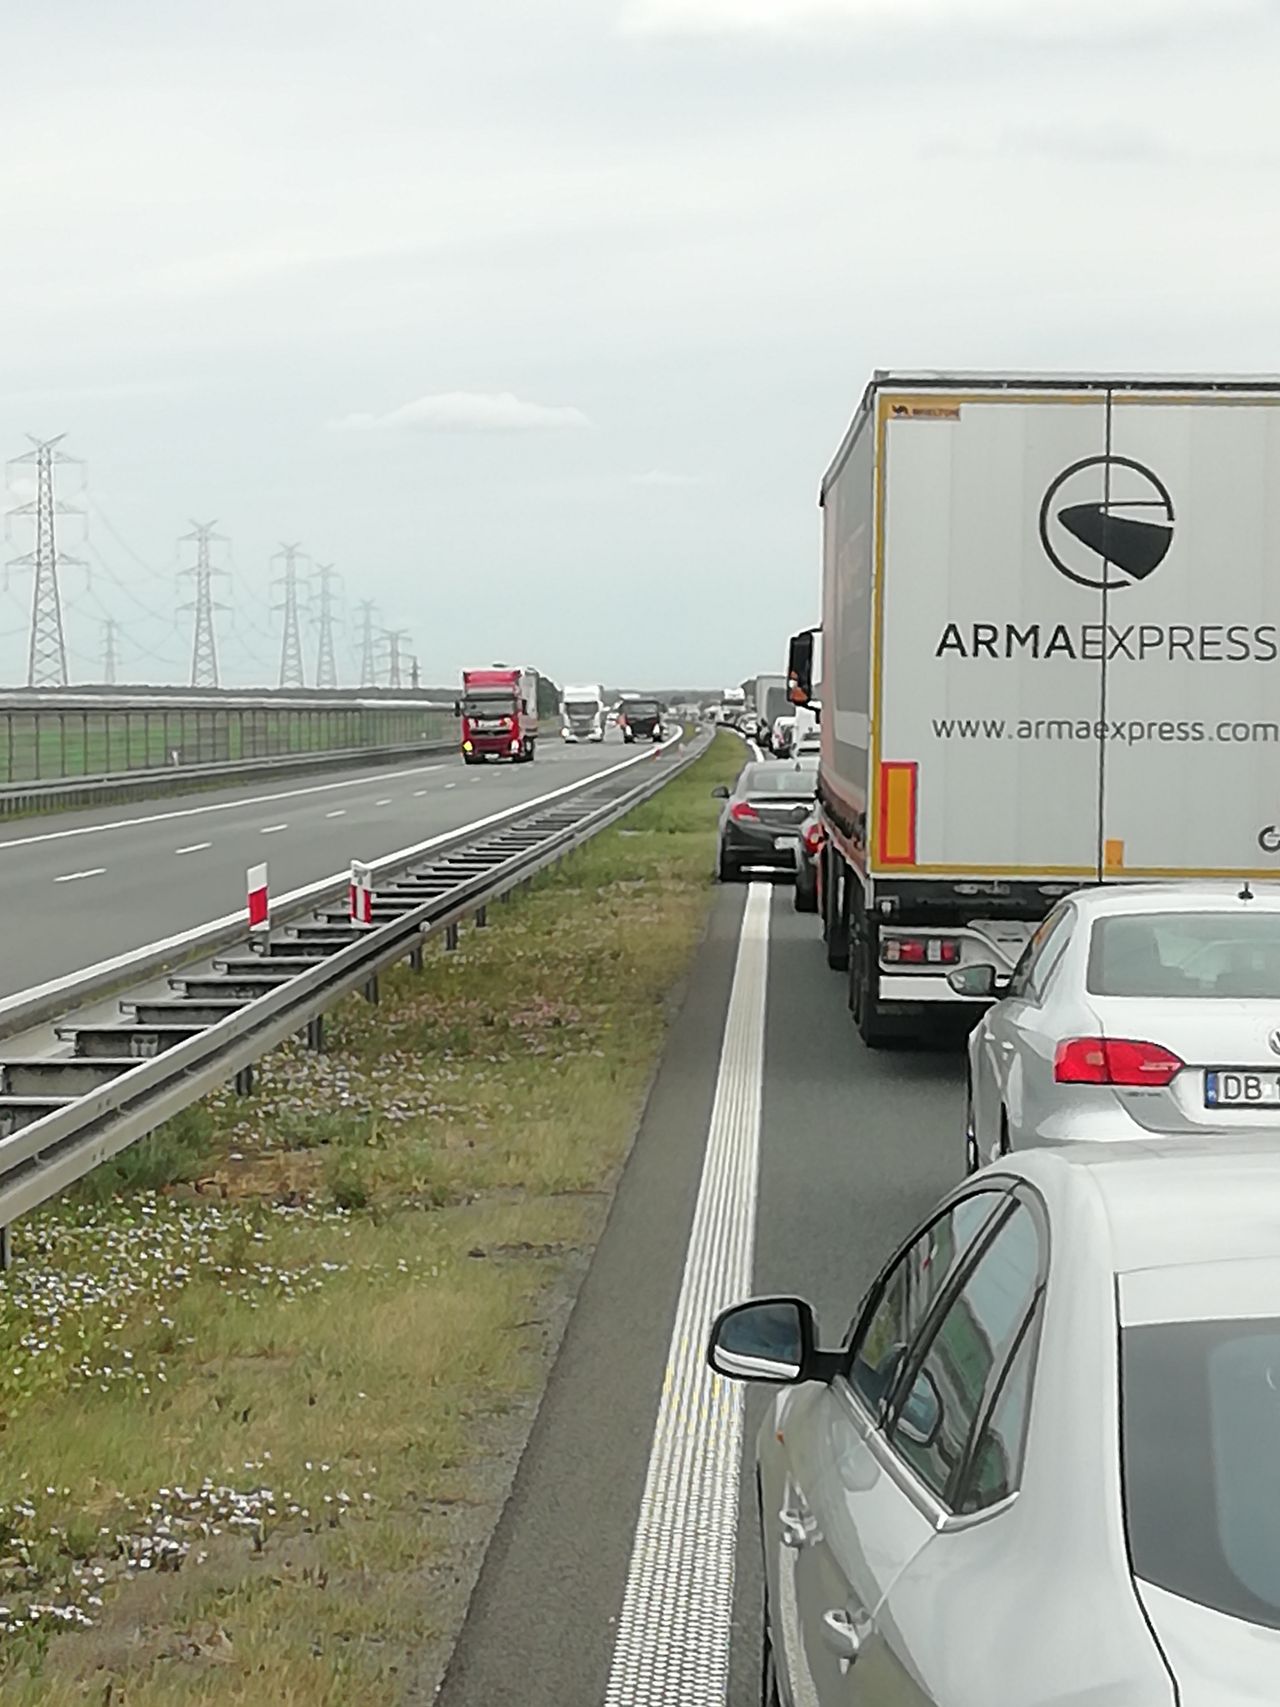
326	669
368	661
47	649
291	671
204	640
415	676
110	629
394	638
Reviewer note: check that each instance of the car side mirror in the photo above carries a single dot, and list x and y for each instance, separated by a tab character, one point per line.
457	708
920	1419
766	1339
720	793
979	981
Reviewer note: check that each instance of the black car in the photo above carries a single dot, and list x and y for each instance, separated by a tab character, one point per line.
762	817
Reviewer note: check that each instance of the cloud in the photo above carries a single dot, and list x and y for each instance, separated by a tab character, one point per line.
469	412
664	477
1064	19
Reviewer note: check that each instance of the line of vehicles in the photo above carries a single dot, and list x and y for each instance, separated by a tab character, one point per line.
498	715
1034	1470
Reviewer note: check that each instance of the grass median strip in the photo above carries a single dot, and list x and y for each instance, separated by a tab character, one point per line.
262	1379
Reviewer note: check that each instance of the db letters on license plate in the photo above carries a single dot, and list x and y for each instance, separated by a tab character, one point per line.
1224	1089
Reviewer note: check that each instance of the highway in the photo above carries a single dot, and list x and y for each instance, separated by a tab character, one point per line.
79	887
853	1148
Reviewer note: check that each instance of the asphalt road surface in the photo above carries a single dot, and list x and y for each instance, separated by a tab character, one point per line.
79	887
617	1574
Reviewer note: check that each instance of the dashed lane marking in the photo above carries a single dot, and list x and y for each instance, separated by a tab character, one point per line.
382	803
195	847
674	1629
213	806
75	876
341	813
272	829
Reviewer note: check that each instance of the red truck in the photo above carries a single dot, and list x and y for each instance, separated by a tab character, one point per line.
499	712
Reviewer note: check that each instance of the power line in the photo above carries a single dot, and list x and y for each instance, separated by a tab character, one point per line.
326	668
368	666
204	640
47	647
291	670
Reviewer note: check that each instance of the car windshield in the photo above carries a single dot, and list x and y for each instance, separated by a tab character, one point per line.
1201	1431
796	780
1186	955
581	707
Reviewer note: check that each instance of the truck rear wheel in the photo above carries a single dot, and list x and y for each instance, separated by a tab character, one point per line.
836	893
870	1022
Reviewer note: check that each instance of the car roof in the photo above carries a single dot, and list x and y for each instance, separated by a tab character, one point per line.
1198	897
1169	1203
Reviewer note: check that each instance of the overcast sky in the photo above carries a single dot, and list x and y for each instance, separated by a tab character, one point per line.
541	321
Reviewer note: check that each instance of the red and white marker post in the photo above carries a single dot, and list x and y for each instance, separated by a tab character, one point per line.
259	901
361	893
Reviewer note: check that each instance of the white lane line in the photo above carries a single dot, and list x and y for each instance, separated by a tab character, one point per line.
382	803
272	829
75	876
195	847
447	785
215	806
419	792
673	1632
341	813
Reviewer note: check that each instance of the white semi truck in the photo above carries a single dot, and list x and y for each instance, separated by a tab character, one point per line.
1051	657
583	712
733	703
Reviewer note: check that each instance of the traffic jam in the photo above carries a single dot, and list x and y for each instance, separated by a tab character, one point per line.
1023	769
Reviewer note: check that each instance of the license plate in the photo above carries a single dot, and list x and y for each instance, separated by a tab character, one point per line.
787	844
1241	1090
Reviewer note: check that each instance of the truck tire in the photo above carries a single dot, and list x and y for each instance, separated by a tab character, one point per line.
837	895
862	1004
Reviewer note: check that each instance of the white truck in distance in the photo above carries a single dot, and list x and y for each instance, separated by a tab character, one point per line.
583	712
771	701
1050	657
733	703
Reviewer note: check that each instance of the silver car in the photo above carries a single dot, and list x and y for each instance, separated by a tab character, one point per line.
1133	1010
1037	1473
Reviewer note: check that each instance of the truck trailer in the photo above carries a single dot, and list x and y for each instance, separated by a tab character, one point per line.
1051	657
582	713
499	712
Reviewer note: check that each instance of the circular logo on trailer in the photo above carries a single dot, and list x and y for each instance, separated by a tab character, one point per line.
1274	1041
1107	522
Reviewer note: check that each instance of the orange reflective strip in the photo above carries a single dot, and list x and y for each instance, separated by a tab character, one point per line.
897	829
1113	855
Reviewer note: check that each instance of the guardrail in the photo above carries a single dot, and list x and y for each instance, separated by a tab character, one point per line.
63	1115
153	783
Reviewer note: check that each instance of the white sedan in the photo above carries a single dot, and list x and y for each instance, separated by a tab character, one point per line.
1133	1010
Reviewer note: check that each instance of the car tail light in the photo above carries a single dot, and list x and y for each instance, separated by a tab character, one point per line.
813	839
742	809
919	951
1114	1061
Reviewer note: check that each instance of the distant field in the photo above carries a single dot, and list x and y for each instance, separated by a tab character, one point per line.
49	745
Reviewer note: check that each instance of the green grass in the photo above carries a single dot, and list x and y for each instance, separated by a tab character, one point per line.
287	1335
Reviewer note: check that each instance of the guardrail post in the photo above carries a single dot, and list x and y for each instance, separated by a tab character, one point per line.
451	935
482	917
244	1081
372	994
315	1034
415	958
6	1250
